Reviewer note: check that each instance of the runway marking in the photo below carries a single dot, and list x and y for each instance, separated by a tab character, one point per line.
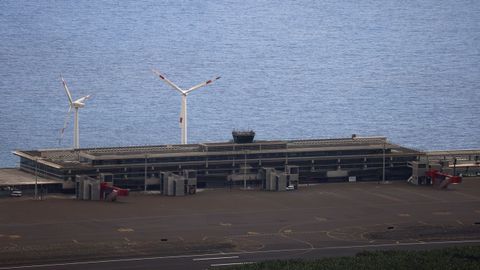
239	253
276	233
341	196
283	232
403	215
421	195
227	264
215	258
440	213
253	233
467	195
381	195
125	230
225	224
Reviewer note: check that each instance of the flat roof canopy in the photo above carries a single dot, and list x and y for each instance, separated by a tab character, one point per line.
16	177
64	158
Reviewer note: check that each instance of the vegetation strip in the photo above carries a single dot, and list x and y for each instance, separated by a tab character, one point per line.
466	257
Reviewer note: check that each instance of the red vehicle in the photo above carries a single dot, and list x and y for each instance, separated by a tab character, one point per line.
110	193
442	179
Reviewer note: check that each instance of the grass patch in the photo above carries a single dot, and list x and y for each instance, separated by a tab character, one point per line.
467	257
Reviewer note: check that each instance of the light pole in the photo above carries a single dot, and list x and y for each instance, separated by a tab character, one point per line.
245	172
36	178
146	156
383	168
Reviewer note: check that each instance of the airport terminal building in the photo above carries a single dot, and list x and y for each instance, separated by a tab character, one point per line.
229	163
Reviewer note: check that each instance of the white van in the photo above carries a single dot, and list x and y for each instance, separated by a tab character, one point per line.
16	193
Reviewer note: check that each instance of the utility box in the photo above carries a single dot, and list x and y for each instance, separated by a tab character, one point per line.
274	180
178	185
87	188
191	181
173	184
419	168
292	175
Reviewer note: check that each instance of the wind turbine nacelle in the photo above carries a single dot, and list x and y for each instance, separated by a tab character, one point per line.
78	105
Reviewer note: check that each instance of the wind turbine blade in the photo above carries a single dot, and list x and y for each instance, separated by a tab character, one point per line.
66	90
202	84
65	124
163	78
82	99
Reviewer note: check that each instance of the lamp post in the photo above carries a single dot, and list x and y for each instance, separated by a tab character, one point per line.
145	188
36	178
383	168
455	166
245	172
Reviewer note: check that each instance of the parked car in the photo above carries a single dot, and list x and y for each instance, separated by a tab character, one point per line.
291	187
16	193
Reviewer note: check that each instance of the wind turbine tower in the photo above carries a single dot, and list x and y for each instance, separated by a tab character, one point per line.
76	105
184	93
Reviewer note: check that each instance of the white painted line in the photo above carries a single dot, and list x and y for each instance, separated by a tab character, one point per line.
227	264
237	253
215	258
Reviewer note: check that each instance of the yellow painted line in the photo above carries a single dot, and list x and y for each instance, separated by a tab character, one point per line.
125	230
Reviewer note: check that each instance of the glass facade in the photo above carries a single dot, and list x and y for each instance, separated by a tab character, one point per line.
214	162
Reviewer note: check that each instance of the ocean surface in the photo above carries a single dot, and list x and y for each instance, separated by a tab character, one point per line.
408	70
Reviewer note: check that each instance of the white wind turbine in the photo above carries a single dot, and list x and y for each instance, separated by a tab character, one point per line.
77	104
184	93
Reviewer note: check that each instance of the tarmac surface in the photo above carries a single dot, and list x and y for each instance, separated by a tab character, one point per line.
222	227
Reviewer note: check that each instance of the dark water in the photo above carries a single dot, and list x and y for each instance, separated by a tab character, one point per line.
409	70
